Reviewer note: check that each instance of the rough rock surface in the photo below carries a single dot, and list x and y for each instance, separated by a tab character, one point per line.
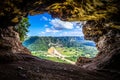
32	68
10	45
103	26
108	43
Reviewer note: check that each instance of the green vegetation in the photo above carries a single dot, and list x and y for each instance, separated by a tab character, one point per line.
22	28
73	53
69	47
45	55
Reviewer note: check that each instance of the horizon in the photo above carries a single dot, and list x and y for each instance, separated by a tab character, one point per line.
55	36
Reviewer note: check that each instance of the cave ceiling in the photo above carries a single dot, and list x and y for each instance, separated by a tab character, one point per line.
11	11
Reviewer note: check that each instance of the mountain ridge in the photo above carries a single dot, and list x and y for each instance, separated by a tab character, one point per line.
64	41
72	47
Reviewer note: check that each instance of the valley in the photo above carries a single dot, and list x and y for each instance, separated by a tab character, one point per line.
60	49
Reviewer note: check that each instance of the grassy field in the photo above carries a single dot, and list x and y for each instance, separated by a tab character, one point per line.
45	55
68	47
71	53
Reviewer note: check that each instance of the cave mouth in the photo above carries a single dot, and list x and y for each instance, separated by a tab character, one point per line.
56	40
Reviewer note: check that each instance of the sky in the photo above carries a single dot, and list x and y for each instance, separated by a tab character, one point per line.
45	25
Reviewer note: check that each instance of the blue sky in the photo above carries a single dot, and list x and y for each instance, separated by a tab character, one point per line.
45	25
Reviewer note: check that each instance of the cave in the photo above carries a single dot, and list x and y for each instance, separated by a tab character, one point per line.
102	26
56	40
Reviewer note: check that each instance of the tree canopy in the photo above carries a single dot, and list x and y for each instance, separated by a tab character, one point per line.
22	28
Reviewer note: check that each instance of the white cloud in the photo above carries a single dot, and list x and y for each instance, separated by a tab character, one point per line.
49	19
42	32
46	26
48	30
51	30
58	24
72	33
78	27
45	18
56	27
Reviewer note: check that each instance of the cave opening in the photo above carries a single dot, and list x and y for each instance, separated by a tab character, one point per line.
60	41
102	26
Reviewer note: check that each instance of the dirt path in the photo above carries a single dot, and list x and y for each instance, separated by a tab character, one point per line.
69	61
62	57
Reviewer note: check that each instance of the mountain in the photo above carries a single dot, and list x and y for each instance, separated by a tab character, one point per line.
36	43
69	46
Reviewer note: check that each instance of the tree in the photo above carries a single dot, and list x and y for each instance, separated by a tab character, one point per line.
22	28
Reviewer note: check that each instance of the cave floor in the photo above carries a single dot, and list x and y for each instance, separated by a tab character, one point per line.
33	68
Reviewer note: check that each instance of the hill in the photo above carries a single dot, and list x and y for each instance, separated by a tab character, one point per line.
70	47
36	43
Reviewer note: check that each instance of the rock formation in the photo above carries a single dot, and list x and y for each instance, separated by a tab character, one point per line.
103	26
107	42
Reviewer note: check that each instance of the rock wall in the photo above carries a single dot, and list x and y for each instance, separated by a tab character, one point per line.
107	42
10	45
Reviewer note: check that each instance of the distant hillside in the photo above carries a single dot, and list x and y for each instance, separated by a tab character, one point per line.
36	43
52	48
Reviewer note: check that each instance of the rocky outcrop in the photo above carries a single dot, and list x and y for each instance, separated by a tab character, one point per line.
10	45
103	26
66	10
107	42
